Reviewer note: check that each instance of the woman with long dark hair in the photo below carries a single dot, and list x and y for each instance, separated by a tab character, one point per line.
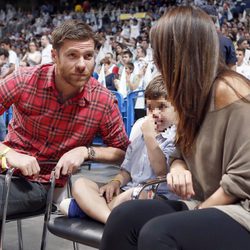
212	174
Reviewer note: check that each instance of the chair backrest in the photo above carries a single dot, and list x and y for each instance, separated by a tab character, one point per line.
122	107
7	116
122	104
131	100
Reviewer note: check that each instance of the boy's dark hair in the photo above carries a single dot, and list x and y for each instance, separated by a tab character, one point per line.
156	89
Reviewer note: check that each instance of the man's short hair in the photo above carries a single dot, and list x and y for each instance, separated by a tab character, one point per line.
72	30
241	40
242	50
156	89
127	52
6	40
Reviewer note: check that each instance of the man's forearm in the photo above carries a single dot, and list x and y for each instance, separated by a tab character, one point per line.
109	155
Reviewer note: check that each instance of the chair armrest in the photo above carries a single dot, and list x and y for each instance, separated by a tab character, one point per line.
152	182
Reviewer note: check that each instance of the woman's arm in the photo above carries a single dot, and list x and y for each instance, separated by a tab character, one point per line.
180	179
219	197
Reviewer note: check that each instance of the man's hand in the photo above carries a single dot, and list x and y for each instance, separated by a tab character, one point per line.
71	161
28	165
110	189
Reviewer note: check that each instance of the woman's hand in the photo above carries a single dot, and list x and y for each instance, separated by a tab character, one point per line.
180	180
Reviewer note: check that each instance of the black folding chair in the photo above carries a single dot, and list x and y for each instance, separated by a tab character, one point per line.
87	231
19	217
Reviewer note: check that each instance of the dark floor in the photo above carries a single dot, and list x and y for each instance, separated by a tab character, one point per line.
32	228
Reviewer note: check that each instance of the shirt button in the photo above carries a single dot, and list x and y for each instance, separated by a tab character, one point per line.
47	143
53	128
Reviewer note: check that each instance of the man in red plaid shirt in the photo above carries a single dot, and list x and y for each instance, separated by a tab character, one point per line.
57	111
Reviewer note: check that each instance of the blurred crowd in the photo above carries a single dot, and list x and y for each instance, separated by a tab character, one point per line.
124	59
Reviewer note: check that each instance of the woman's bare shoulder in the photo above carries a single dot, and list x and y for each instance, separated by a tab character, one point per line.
229	90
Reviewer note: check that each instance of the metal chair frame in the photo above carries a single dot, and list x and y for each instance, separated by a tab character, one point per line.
47	210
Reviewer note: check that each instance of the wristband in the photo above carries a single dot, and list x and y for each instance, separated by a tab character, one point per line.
117	180
3	158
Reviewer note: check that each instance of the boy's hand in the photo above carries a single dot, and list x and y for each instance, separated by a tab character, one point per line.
110	189
149	126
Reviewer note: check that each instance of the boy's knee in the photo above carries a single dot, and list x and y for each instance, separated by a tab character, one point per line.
82	184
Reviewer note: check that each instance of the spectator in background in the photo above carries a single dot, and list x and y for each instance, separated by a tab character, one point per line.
127	57
146	45
241	66
4	54
125	84
46	52
134	28
242	43
227	49
13	62
32	57
129	68
110	75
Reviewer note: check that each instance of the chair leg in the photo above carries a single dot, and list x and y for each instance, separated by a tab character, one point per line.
20	234
48	211
75	245
5	206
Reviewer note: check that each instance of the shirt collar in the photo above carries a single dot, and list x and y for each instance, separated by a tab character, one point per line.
82	97
169	132
49	70
85	95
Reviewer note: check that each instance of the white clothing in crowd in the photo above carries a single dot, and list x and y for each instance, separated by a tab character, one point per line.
46	54
244	69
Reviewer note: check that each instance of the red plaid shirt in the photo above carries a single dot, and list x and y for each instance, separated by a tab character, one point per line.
46	129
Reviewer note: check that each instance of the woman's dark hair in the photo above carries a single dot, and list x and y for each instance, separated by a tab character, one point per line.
186	52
